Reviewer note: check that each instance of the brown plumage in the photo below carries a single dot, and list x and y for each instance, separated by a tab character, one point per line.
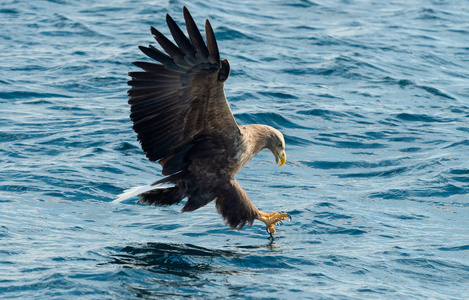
183	121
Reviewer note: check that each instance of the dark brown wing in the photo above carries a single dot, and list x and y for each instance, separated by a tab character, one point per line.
176	102
234	205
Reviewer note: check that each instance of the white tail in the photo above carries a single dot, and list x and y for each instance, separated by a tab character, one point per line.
135	191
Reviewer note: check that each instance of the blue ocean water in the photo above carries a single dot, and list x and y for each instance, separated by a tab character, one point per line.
372	97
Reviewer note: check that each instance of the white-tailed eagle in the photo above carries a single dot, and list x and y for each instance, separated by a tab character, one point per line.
183	121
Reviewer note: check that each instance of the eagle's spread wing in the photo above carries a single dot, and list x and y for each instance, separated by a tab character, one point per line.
176	102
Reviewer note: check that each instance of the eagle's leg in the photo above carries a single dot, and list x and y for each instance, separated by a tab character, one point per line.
273	219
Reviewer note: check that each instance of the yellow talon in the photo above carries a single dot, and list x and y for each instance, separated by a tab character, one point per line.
273	219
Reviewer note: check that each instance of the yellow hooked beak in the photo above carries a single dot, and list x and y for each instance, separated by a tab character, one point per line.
280	157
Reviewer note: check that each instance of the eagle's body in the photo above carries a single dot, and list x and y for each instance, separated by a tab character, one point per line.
183	121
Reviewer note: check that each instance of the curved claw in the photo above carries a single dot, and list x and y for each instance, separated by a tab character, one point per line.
270	233
288	215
